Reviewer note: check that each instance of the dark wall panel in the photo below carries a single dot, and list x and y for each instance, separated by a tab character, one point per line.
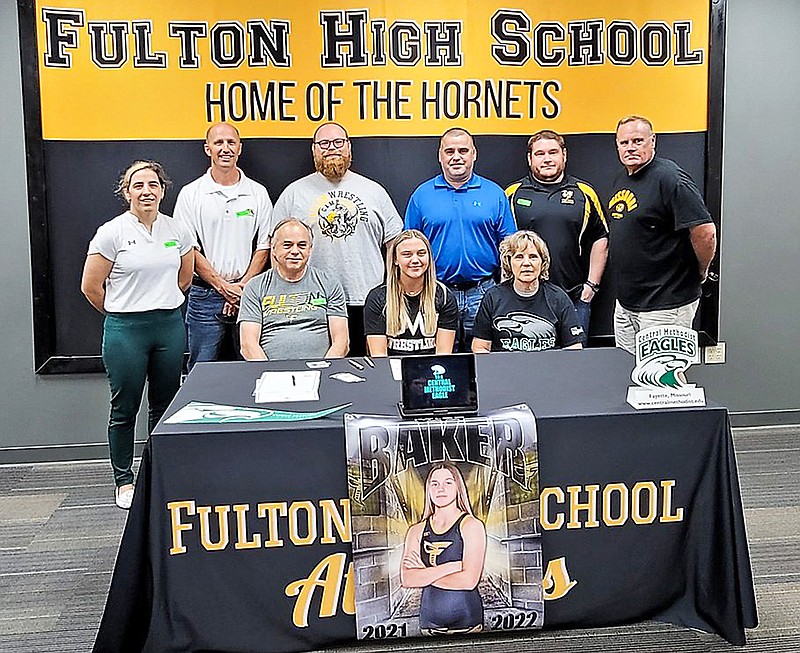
81	176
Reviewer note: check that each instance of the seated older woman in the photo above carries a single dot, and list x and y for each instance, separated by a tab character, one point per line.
525	312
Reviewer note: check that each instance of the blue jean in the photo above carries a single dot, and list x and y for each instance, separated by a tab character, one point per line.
205	325
584	310
468	302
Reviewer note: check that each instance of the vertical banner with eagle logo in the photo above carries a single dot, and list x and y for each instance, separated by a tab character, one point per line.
663	354
445	516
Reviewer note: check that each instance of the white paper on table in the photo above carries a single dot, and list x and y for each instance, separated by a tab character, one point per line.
347	377
287	386
394	364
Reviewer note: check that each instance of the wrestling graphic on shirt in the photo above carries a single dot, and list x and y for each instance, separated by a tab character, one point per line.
417	341
292	304
338	213
445	516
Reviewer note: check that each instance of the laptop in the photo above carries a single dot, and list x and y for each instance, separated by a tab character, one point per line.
438	386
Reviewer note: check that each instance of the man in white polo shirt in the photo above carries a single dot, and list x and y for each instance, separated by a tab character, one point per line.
229	215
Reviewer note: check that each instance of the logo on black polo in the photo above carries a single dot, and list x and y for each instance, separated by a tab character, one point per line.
623	202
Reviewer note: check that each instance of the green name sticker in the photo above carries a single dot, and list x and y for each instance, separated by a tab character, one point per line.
245	214
171	243
523	202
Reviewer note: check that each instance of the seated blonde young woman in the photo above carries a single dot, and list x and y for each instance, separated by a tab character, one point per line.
412	313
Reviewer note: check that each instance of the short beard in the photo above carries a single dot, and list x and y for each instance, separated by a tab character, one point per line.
333	167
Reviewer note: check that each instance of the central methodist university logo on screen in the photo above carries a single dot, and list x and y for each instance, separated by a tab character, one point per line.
439	387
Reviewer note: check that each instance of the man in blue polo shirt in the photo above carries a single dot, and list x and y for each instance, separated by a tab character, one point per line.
465	216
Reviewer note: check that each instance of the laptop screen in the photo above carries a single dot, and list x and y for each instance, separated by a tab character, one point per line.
439	384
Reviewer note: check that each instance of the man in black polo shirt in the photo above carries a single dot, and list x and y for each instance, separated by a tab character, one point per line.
662	237
566	212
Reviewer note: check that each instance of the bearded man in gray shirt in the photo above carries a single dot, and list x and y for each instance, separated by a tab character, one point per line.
352	218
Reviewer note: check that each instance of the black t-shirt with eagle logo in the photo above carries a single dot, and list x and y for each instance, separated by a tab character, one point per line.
546	320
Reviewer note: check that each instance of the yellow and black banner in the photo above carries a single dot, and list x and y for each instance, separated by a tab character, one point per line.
113	81
112	70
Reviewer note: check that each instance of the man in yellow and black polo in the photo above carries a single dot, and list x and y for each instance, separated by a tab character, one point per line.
567	213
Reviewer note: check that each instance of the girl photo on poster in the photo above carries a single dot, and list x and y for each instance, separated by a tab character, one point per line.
444	555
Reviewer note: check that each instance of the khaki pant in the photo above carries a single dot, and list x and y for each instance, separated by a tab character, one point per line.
628	323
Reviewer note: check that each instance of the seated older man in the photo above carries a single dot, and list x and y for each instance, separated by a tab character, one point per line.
292	310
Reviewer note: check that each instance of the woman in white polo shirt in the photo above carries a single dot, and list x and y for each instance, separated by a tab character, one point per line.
138	266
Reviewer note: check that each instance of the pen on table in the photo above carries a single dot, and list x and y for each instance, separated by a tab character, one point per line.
368	361
355	364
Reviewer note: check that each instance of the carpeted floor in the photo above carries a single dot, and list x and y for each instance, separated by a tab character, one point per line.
59	532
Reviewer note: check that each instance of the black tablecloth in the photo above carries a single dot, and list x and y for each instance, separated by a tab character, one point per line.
686	562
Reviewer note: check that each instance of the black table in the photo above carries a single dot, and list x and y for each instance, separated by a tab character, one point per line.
664	538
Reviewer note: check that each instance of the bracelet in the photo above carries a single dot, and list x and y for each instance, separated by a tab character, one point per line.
594	286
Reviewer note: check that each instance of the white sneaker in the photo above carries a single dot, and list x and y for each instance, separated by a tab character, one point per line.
123	496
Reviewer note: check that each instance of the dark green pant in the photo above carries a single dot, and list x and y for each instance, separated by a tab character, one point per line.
138	347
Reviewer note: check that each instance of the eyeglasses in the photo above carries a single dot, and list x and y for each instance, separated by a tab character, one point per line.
326	144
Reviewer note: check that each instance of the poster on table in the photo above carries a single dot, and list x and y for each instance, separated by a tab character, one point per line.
445	516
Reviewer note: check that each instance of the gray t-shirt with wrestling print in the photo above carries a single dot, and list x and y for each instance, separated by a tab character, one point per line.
293	314
351	220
